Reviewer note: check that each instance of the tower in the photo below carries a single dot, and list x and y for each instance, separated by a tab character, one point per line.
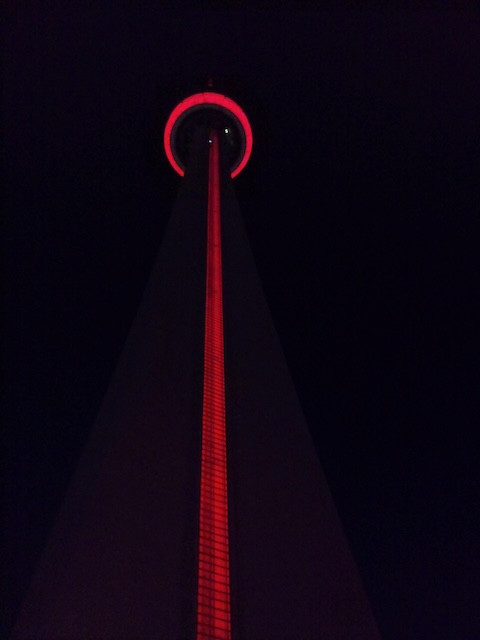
199	510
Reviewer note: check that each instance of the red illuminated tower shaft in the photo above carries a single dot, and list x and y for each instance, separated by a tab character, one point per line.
213	621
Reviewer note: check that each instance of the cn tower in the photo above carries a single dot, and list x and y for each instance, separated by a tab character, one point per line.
199	509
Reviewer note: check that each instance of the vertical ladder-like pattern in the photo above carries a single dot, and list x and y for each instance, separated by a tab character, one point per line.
213	612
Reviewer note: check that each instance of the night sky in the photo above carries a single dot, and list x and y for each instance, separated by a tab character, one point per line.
360	205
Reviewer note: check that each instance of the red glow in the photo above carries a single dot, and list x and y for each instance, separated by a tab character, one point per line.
213	609
205	99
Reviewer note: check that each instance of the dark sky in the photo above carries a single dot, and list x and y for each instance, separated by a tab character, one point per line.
360	205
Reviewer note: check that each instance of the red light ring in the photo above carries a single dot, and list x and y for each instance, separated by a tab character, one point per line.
216	101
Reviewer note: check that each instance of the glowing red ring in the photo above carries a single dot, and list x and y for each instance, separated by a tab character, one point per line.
217	101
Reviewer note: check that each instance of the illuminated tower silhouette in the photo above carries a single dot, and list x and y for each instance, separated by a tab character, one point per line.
199	510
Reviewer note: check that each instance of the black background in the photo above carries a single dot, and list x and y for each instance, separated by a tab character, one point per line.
360	205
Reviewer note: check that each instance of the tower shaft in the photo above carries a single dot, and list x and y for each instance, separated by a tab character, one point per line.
213	615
